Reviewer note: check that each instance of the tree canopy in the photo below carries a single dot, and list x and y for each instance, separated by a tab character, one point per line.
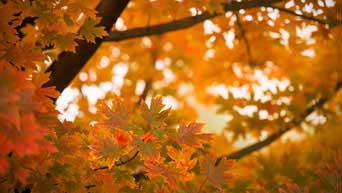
171	96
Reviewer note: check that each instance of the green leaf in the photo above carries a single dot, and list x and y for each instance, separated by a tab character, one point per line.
68	20
149	148
59	169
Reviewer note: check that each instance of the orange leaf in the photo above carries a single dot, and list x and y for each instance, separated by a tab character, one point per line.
191	135
182	158
155	167
155	115
217	175
117	117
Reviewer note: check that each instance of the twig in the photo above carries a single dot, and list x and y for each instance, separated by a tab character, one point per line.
120	162
331	22
185	22
245	40
143	96
261	144
148	82
202	184
193	20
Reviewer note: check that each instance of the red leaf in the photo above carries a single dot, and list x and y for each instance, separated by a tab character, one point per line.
191	135
122	138
217	175
117	117
155	167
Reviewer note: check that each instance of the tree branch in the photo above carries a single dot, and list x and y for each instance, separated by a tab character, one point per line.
332	22
270	139
142	97
148	82
68	64
120	162
193	20
245	40
185	22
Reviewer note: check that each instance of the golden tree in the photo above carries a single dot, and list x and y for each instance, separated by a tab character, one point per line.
138	78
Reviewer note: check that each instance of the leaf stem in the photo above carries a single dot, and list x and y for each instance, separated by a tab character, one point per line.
202	184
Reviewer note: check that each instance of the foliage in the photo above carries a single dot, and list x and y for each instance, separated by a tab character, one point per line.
271	69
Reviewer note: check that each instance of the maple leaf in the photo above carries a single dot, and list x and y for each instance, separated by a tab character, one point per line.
182	158
182	161
122	138
156	167
66	42
191	135
106	148
330	175
147	148
155	115
219	174
90	31
27	58
116	118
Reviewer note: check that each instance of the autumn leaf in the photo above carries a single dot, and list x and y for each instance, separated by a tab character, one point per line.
263	63
156	167
330	175
191	135
220	174
123	138
117	117
154	115
66	42
182	161
107	148
90	30
182	158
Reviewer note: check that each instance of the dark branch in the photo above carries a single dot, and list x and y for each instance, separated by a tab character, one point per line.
101	168
149	82
142	97
245	40
330	22
120	162
261	144
185	22
123	162
68	64
193	20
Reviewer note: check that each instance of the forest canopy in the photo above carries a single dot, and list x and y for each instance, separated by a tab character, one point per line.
171	96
